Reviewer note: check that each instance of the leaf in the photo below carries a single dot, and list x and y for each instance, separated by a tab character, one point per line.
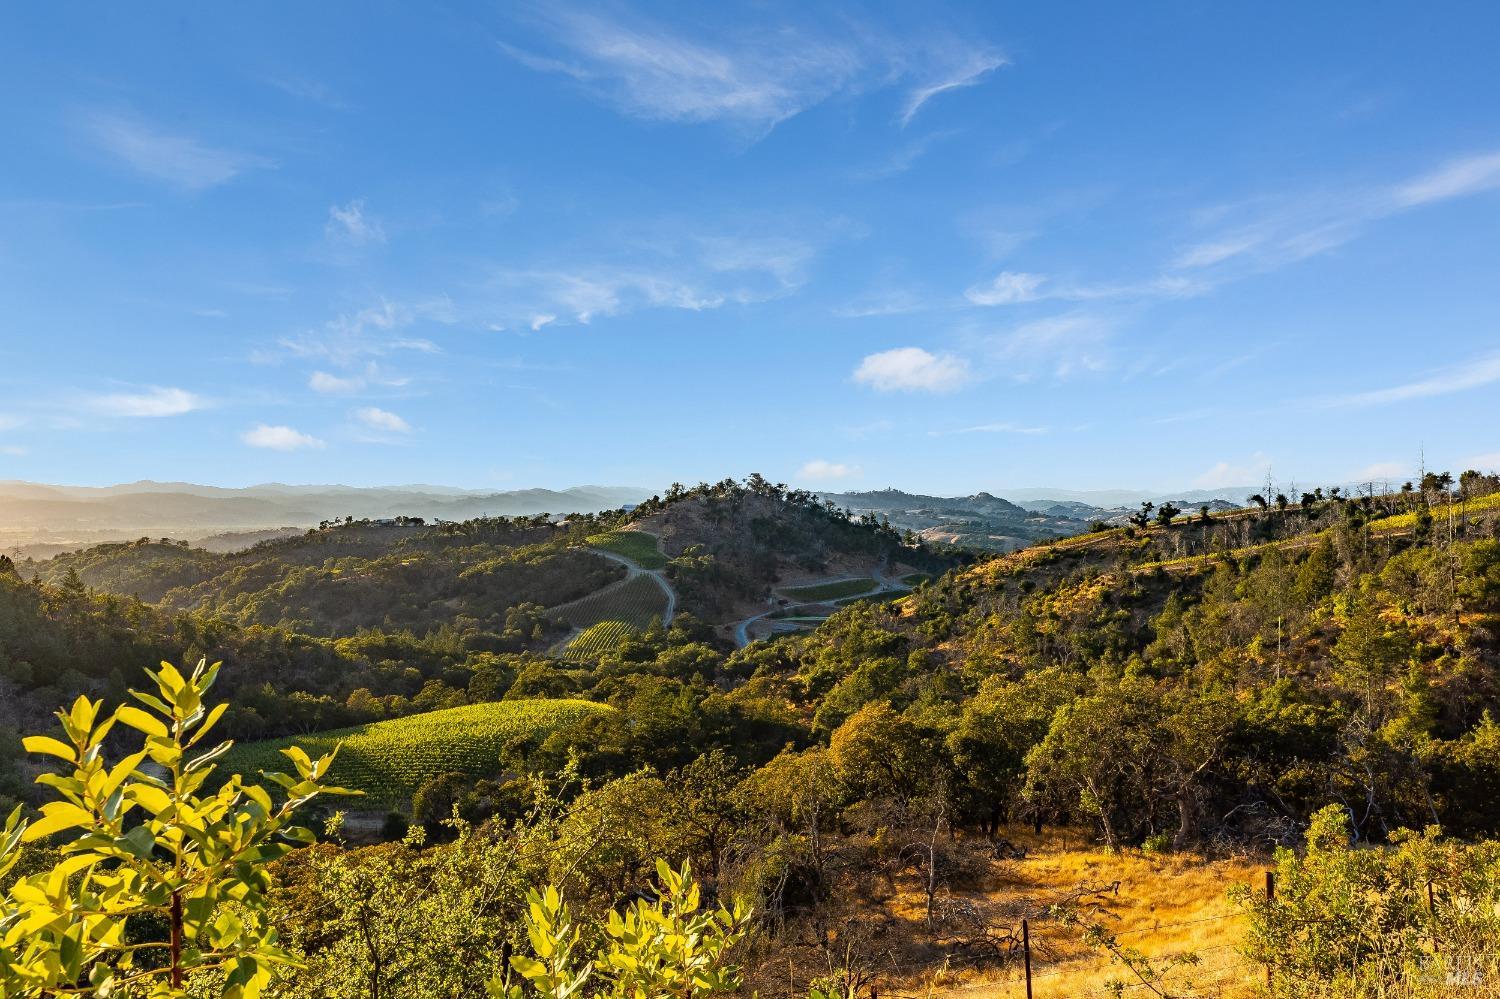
142	722
208	723
139	842
50	746
56	816
153	799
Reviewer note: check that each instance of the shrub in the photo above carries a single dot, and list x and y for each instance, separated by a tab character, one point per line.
146	847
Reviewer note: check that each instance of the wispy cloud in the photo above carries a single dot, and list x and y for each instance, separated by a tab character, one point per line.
351	338
695	273
180	160
1229	474
1489	462
820	470
372	376
307	89
1292	229
1064	345
894	302
279	438
352	225
652	70
990	428
912	369
1454	179
1382	471
1477	373
975	67
1016	287
904	158
1009	288
150	403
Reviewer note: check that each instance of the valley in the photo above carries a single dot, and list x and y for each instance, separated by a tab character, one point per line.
898	750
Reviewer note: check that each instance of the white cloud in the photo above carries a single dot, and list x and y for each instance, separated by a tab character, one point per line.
1225	475
1476	374
177	159
351	224
153	402
279	438
322	381
382	419
14	450
756	80
912	369
542	319
1009	288
819	470
8	422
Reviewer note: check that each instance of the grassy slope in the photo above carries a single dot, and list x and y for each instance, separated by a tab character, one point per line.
638	546
831	591
1166	905
388	760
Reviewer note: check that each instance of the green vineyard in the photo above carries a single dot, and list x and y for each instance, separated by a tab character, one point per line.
831	591
635	602
389	760
596	640
606	617
638	546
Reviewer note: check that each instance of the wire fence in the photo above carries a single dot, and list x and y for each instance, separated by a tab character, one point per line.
1219	976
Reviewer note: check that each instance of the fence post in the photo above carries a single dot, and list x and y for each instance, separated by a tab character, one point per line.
1026	953
1270	897
1432	916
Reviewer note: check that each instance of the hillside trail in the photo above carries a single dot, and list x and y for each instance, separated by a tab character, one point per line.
883	584
632	570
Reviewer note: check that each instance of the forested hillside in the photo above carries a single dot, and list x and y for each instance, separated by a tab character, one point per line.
1194	684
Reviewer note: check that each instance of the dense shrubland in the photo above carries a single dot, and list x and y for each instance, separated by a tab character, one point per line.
1207	684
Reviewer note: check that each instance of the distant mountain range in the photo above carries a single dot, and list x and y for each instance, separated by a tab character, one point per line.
41	520
987	521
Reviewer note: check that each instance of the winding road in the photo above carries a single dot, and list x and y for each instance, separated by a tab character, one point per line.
883	584
633	570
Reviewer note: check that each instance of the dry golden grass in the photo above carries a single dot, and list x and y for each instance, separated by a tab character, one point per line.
1166	905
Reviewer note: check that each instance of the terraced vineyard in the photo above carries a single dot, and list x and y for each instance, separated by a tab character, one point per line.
635	602
596	640
831	591
389	760
638	546
610	615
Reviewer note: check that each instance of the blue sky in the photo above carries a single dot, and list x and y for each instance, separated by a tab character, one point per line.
942	248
